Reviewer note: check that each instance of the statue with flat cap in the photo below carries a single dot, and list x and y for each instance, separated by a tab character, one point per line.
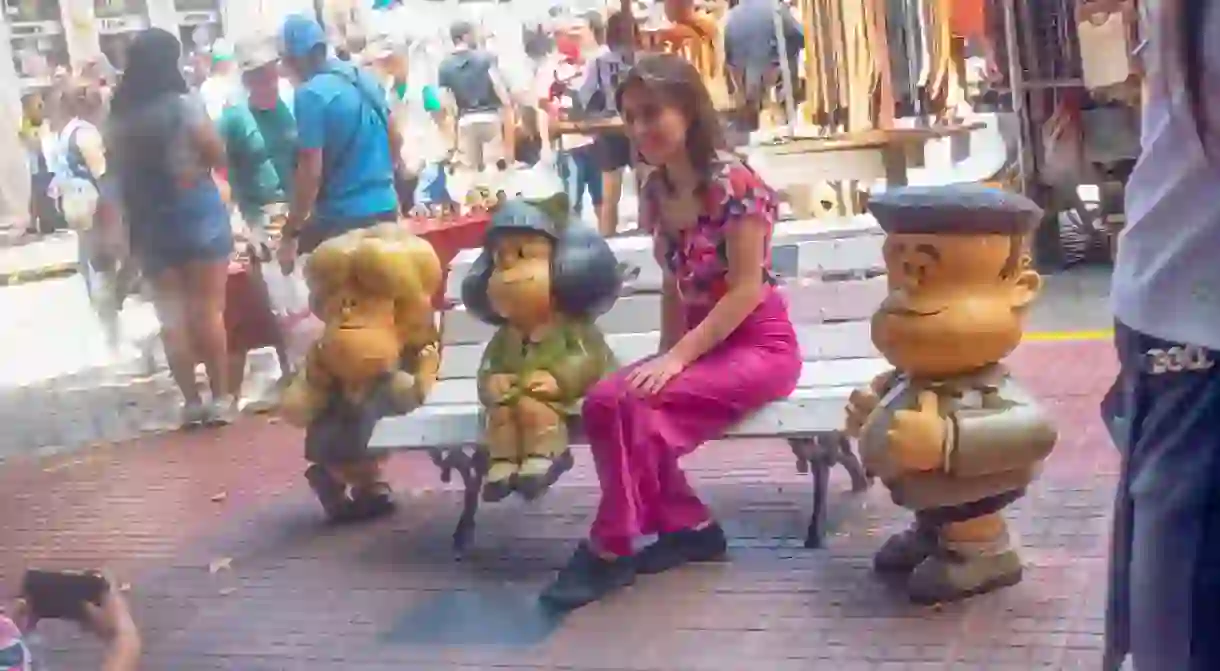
948	430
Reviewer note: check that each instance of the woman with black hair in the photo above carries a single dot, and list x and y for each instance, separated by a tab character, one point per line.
1164	409
165	149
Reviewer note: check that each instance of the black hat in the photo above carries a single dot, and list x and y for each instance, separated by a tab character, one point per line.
961	209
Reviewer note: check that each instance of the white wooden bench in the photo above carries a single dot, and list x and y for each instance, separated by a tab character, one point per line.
831	270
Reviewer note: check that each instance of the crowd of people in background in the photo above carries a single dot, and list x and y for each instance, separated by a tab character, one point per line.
187	175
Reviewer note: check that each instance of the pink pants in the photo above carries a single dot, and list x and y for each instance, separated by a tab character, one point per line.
636	441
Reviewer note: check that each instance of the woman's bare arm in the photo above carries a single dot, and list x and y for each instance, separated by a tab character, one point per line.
92	150
211	147
746	248
123	653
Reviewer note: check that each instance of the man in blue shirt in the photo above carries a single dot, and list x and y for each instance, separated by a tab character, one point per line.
349	145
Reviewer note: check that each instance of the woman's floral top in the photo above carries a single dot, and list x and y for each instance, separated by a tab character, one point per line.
698	255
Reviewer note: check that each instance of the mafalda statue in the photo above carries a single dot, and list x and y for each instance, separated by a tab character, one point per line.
949	431
542	279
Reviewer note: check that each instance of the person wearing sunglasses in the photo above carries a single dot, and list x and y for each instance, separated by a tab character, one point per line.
727	345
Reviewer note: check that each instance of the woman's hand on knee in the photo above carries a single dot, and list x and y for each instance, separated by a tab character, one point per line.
650	377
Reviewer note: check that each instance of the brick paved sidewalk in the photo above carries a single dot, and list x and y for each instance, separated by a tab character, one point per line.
230	568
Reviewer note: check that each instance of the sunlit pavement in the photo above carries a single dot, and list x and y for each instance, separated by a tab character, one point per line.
230	568
62	386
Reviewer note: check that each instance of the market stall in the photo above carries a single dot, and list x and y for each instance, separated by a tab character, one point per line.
851	92
448	235
1068	70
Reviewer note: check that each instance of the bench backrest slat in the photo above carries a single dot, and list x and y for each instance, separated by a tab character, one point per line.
844	340
630	314
811	302
827	374
799	248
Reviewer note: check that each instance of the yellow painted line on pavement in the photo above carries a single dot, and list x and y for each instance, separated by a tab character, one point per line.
1069	336
37	274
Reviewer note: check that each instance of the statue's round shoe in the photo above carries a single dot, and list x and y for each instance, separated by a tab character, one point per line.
501	480
587	578
904	551
537	474
946	577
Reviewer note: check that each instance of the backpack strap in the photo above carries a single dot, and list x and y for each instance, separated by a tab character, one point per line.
345	154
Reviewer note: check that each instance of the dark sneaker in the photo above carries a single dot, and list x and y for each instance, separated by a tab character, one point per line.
331	493
675	549
373	503
587	578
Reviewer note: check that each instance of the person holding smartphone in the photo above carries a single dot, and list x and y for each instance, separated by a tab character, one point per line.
110	621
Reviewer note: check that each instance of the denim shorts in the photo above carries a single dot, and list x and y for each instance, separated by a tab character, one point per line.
197	229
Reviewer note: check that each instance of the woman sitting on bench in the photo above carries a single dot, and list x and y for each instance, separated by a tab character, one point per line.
728	347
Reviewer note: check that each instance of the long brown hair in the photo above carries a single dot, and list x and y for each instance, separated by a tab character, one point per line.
677	84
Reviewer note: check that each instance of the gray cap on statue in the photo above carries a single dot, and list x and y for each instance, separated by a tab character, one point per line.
960	209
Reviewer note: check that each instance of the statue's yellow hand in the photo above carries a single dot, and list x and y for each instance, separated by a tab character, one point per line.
498	386
404	391
301	402
917	437
860	405
542	383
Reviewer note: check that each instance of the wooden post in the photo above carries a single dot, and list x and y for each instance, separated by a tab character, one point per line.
14	160
624	8
1016	83
785	71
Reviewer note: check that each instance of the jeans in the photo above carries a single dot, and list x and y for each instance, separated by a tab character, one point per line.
1164	415
579	170
433	185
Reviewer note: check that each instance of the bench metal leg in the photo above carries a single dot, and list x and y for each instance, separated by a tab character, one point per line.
817	455
472	467
820	466
860	479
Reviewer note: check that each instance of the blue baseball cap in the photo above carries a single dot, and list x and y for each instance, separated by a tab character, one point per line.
300	35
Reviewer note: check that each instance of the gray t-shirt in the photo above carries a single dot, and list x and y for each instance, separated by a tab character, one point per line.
750	44
467	74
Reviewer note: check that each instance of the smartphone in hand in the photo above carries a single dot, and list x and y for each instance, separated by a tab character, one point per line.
62	595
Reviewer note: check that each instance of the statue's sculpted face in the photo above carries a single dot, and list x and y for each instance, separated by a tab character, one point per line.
520	285
361	340
956	302
359	285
